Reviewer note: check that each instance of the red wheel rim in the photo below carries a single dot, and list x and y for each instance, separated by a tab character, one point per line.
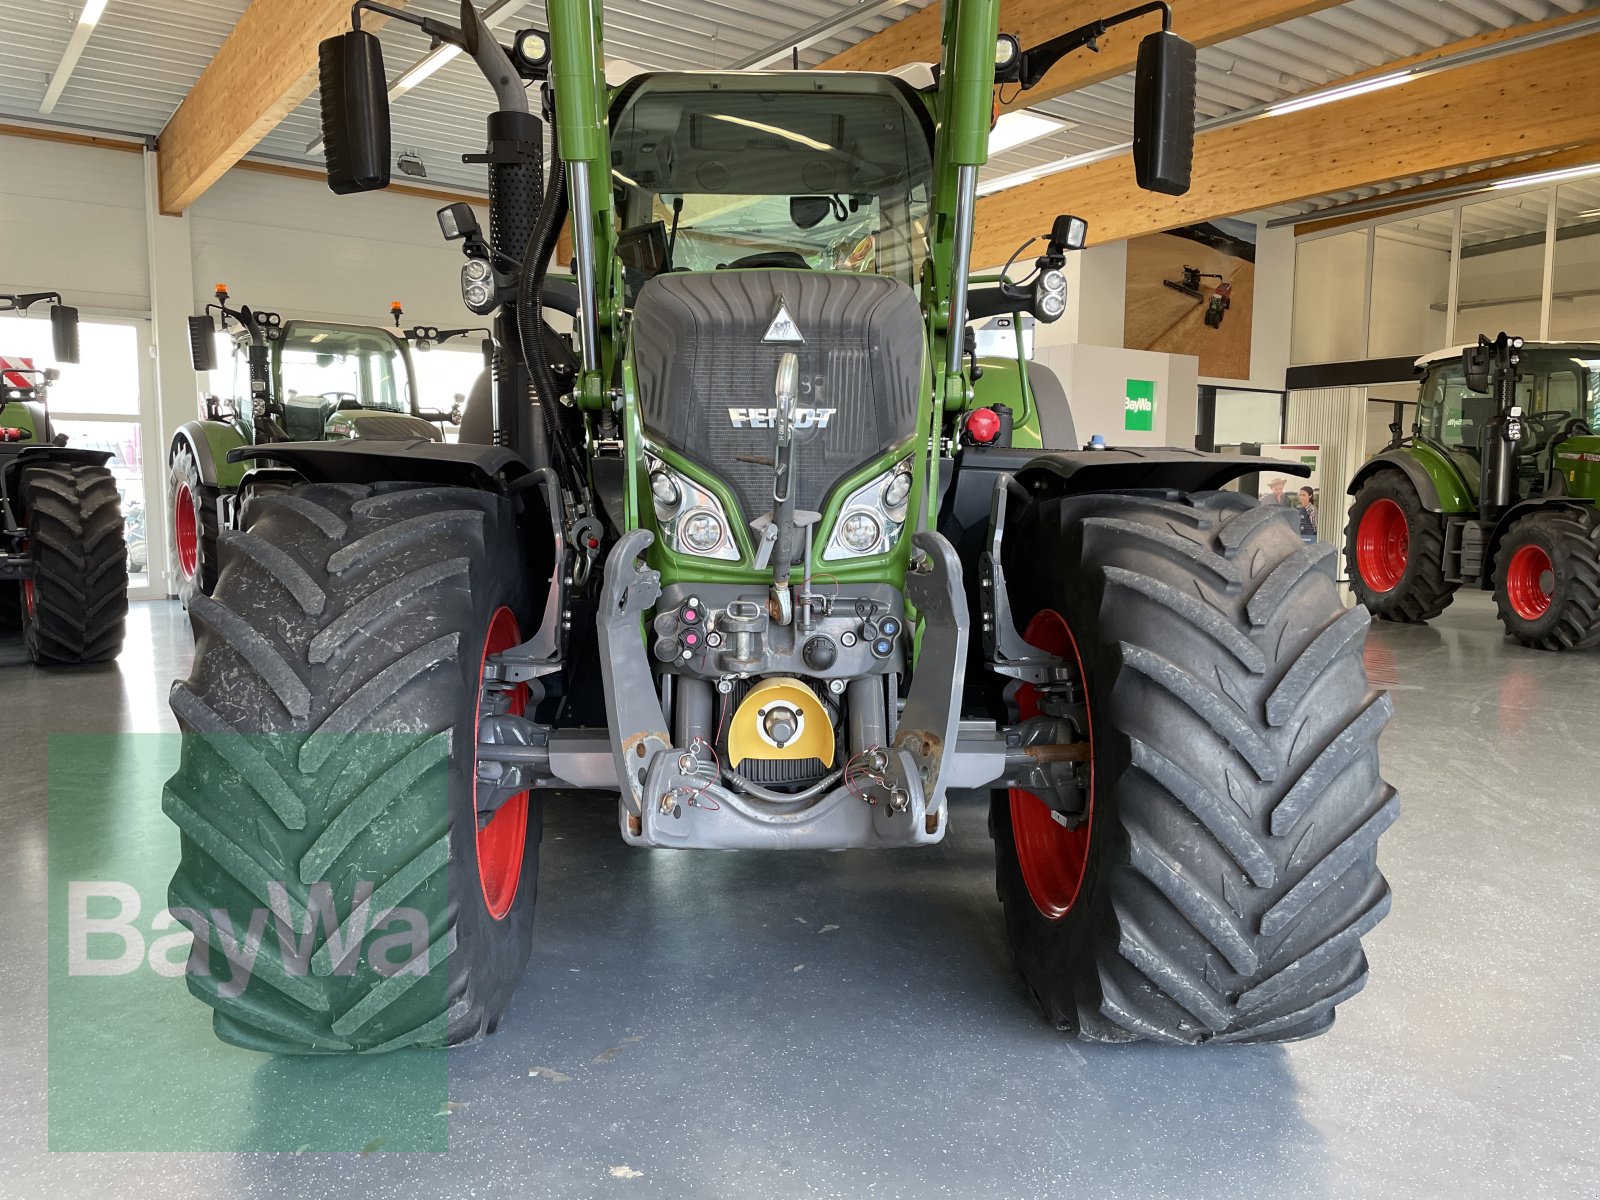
1383	541
501	841
185	531
1530	582
1053	859
28	609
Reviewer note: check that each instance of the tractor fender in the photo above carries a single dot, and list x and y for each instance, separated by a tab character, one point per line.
1491	546
372	460
212	444
1165	468
1427	470
16	466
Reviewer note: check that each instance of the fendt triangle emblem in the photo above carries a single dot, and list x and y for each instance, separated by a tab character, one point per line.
783	328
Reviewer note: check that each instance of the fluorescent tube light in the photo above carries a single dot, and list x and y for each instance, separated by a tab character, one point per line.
1545	177
1343	92
425	67
92	12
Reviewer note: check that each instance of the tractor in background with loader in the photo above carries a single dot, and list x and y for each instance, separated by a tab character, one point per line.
772	568
294	380
63	548
1496	488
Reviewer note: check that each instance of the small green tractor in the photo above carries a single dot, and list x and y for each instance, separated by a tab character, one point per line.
63	548
1495	488
778	565
291	381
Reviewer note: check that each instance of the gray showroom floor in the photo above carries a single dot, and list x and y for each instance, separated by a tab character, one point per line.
761	1025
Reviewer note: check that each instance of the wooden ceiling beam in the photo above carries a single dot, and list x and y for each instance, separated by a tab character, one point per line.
1411	198
263	72
1534	102
1203	22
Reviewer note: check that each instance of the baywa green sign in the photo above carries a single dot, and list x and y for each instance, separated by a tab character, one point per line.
1139	405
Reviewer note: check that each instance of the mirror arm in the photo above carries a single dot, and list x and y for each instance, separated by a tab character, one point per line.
1037	62
440	31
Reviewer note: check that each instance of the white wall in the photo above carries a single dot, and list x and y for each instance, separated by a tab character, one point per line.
1096	377
1272	314
72	221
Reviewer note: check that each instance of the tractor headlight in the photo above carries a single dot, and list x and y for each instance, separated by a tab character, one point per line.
691	518
477	286
1050	295
873	516
701	530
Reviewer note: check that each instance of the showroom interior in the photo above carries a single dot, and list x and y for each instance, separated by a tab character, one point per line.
1210	614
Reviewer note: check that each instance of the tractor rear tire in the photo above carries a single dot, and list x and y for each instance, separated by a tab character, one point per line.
1220	888
351	624
75	608
195	527
1394	551
1547	580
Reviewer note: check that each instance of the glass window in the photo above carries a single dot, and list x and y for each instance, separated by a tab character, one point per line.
105	379
834	175
446	376
1411	285
344	363
1502	266
1330	279
1575	280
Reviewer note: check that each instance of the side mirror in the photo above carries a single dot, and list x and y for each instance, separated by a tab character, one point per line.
64	333
355	112
807	211
1477	364
202	344
1163	114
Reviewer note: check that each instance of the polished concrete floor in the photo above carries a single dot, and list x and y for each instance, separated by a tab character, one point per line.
759	1025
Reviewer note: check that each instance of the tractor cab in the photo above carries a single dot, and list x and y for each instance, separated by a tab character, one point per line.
1557	391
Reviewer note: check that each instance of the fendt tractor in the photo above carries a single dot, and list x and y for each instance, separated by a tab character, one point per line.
1495	488
291	380
63	550
777	571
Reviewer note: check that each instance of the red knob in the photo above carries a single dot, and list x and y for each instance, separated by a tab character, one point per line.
983	427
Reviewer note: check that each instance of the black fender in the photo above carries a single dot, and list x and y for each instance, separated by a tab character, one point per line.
201	449
369	460
35	456
1051	473
1413	470
1491	545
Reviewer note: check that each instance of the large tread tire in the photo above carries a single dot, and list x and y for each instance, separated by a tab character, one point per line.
187	490
1570	542
343	610
1231	864
1422	592
76	610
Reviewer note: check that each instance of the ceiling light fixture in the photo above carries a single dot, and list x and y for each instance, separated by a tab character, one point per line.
1545	177
424	67
92	12
1020	127
1344	91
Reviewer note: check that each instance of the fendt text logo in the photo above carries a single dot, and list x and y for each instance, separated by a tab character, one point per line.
766	418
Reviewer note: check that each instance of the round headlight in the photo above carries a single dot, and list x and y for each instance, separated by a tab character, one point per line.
1052	305
478	296
476	269
1053	281
896	491
860	532
666	493
701	531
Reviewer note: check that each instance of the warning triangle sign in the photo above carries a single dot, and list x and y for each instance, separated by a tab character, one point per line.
783	328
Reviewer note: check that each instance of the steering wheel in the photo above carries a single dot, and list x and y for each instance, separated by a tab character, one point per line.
1550	416
790	259
342	400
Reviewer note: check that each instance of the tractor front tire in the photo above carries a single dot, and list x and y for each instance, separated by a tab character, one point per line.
1547	580
349	630
1394	551
195	526
1220	888
75	608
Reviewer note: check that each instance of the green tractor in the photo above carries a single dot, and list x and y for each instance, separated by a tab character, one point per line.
63	547
291	381
1495	488
776	571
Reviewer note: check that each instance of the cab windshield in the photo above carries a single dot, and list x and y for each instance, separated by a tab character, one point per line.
795	170
343	364
1556	385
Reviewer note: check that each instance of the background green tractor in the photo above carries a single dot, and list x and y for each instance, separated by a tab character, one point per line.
1495	488
290	381
63	550
775	570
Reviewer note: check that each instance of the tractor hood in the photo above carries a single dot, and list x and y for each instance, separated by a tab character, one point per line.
706	351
